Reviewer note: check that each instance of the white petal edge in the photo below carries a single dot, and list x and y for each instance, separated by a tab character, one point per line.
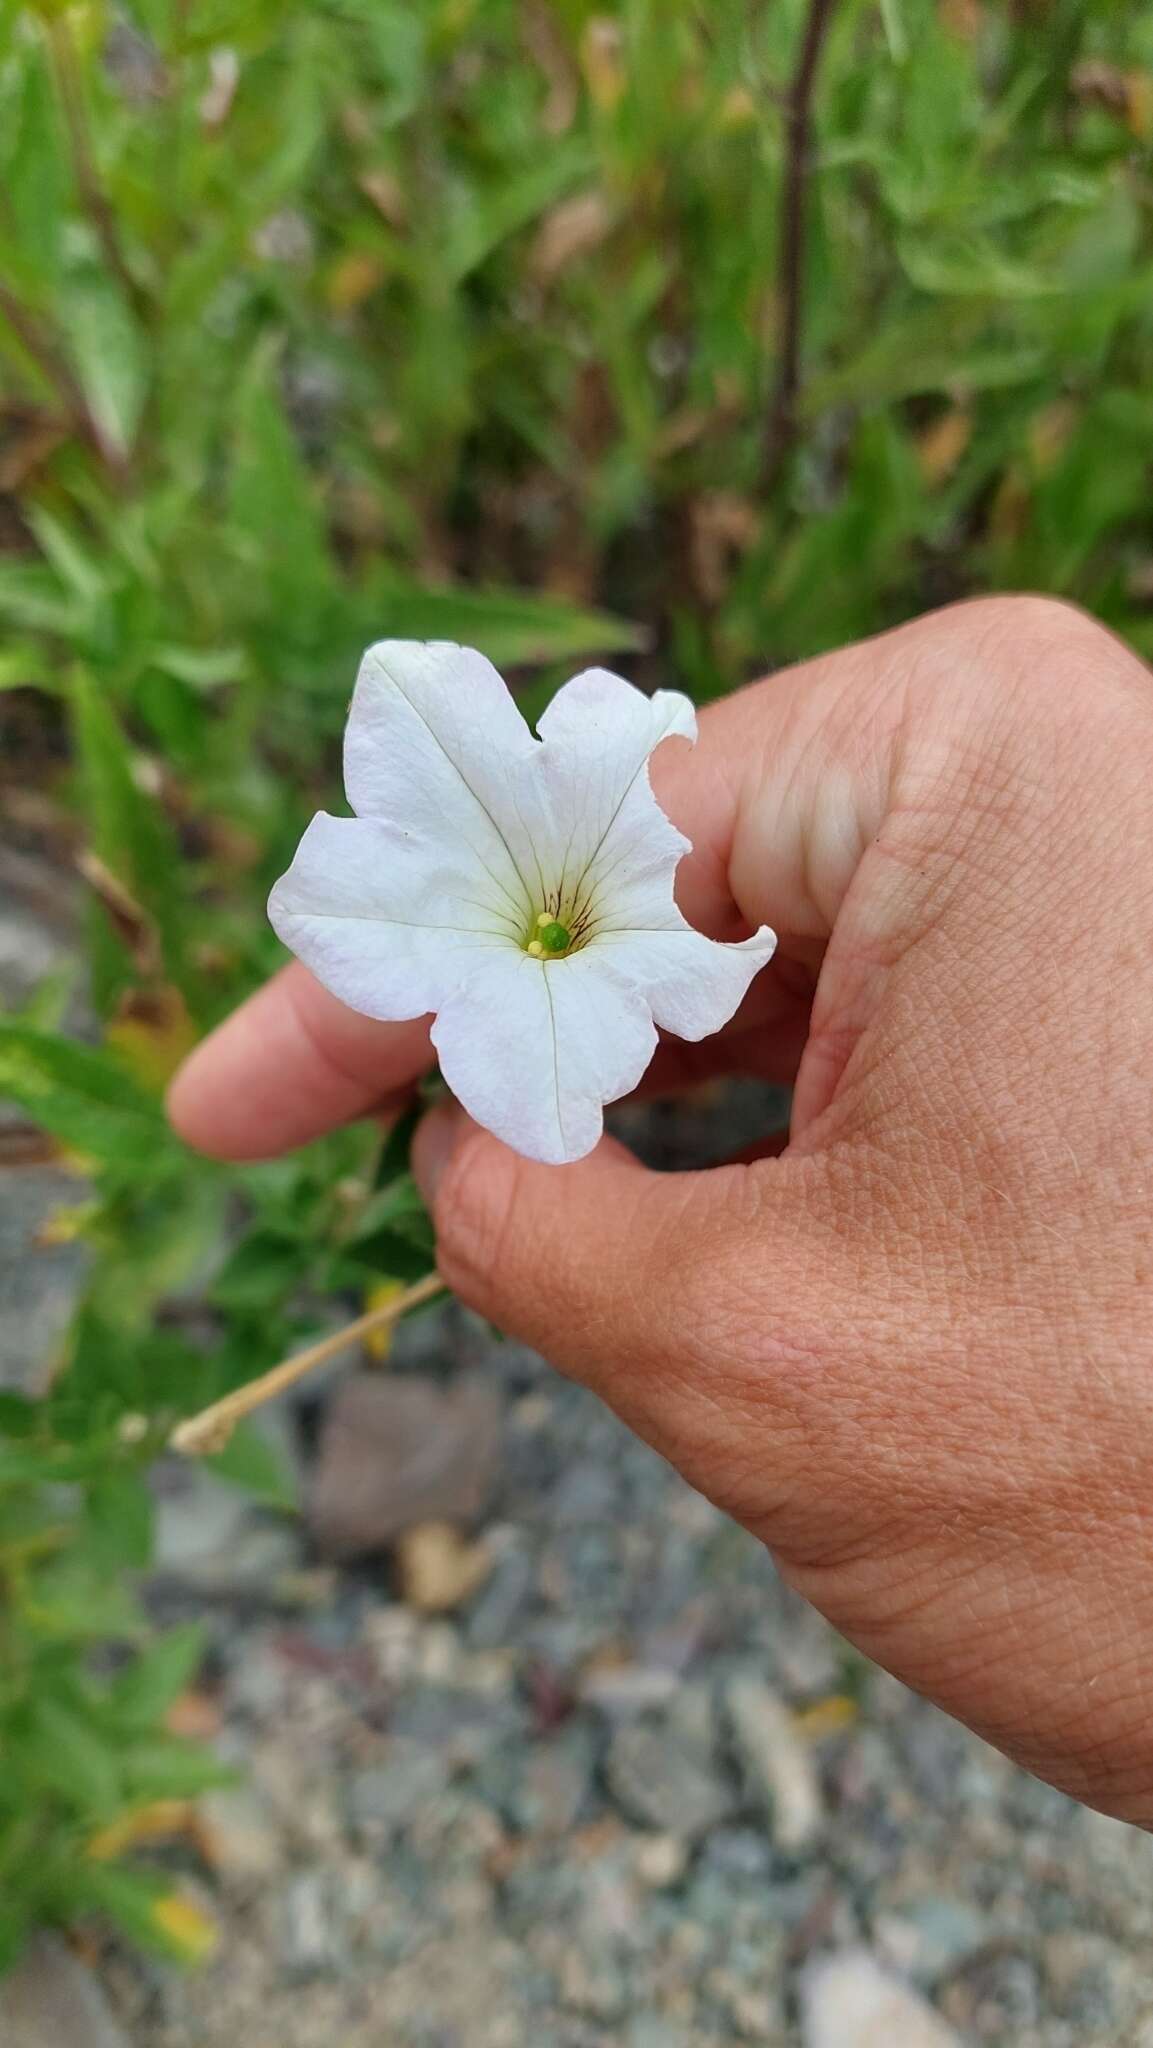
433	743
535	1049
598	734
692	984
385	923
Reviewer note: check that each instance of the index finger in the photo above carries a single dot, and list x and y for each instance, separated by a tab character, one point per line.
290	1064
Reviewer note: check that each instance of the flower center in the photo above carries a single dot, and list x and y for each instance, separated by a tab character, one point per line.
550	938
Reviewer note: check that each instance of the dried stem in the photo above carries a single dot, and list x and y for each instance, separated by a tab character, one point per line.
203	1434
783	421
70	87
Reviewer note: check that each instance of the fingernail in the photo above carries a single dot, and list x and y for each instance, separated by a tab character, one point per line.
433	1145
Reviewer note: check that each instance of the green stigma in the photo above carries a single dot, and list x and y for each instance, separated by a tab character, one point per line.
554	937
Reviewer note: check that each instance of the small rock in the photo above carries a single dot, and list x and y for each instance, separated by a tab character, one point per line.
665	1783
646	2031
752	2010
661	1860
598	1987
396	1452
40	1283
554	1785
210	1536
438	1569
930	1937
849	2001
466	1724
383	1798
1092	1982
494	1613
392	1638
621	1691
50	2000
738	1854
237	1837
311	1939
996	1995
261	1682
779	1766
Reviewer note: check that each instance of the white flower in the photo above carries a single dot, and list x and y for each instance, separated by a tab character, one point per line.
520	888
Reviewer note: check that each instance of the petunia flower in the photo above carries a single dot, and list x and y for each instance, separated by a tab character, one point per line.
519	889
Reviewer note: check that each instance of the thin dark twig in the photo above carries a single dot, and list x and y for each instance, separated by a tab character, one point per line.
41	350
38	345
70	87
782	423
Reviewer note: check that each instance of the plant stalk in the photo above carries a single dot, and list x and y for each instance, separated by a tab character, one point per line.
202	1435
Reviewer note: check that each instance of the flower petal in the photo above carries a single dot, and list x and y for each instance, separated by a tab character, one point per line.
534	1049
692	984
598	733
384	920
434	743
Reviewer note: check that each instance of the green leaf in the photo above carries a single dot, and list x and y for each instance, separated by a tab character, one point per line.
18	1415
23	668
64	1753
162	1767
250	1462
128	830
109	352
143	1691
119	1517
263	1270
509	627
83	1097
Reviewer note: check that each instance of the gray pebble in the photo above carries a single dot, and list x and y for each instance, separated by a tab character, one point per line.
663	1781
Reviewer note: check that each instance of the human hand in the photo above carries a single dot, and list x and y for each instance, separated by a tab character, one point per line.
913	1353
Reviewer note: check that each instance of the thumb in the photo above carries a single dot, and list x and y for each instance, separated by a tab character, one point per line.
696	1304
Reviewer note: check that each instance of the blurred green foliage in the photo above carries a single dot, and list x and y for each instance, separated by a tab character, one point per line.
451	318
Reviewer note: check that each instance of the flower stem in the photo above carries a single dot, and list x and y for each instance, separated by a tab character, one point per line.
202	1435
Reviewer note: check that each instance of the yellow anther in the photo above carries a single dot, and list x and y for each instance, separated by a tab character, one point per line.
535	948
544	918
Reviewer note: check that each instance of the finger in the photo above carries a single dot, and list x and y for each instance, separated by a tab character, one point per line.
291	1063
550	1255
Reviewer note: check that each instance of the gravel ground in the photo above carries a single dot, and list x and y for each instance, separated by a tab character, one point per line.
629	1790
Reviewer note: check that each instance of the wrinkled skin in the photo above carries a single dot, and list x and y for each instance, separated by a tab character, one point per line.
913	1353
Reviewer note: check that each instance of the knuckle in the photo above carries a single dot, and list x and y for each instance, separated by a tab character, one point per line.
1049	657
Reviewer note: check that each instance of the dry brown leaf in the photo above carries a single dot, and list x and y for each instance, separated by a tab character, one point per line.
577	225
157	1822
386	195
941	446
353	280
223	79
1126	94
153	1033
826	1717
1049	431
27	438
128	918
722	526
551	54
602	61
438	1568
965	18
195	1716
24	1144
